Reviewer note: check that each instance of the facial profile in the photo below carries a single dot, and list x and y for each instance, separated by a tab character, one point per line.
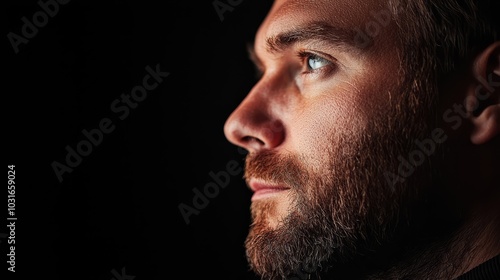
356	154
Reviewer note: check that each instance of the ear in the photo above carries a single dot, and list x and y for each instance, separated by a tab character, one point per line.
486	96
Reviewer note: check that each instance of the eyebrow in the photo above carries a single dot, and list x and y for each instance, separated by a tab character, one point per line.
314	31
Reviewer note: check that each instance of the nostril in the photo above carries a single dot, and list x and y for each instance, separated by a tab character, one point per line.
252	141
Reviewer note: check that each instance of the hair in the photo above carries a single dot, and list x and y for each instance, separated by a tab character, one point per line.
445	33
437	39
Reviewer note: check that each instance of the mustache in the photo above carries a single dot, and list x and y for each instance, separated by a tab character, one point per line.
275	168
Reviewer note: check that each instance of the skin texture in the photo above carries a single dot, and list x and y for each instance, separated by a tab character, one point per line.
322	142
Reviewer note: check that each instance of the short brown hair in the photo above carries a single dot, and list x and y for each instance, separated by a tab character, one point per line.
446	32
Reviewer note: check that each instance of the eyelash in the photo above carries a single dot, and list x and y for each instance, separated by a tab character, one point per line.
305	55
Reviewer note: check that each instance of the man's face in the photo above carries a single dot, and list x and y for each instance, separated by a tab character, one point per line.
324	127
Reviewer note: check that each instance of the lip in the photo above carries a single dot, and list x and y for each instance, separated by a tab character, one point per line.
263	190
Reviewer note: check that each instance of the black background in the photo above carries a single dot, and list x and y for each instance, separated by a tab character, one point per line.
117	211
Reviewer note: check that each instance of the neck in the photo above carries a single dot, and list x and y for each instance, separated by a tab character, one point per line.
475	242
445	257
485	227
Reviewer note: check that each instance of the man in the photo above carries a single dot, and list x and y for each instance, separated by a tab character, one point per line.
373	140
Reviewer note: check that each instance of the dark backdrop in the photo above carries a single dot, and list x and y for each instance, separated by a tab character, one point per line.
116	214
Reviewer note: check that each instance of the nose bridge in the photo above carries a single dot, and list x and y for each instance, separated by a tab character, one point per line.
256	123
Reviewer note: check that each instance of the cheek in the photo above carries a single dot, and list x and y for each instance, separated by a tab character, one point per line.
321	123
344	109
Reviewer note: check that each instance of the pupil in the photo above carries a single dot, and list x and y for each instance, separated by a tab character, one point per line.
314	62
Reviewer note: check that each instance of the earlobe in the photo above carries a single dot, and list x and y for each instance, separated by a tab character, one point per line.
486	125
486	117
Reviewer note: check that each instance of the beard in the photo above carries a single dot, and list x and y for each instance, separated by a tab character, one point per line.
348	216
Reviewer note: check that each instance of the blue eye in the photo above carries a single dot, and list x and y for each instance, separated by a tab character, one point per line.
315	62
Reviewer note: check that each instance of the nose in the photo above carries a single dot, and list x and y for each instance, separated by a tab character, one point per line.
255	124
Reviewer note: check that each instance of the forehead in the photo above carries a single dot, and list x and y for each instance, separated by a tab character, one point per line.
367	19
